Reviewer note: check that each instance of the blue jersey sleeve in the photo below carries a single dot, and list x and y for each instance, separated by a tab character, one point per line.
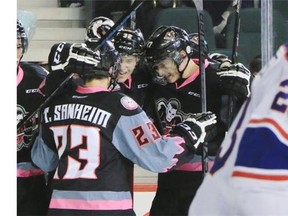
142	143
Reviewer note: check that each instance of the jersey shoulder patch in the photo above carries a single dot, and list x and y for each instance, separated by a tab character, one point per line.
128	103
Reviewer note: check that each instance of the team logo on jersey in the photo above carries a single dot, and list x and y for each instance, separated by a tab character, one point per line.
128	103
170	113
25	133
195	39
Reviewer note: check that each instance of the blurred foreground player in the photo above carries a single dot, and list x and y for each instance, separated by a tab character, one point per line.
250	174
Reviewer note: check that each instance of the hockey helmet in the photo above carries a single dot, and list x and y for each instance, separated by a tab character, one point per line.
194	39
108	58
97	28
129	42
167	41
21	34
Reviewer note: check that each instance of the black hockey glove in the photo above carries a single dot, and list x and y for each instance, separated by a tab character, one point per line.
197	130
72	58
235	80
221	59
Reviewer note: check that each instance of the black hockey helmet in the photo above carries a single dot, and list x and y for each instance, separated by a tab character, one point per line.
97	28
129	42
167	41
108	58
21	34
194	38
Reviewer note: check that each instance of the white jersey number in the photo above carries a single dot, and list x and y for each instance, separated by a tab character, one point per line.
79	133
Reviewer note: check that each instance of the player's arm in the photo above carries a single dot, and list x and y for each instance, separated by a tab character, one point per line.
143	144
42	156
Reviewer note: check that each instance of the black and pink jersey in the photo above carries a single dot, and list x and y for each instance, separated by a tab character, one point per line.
178	101
33	194
29	77
97	136
138	86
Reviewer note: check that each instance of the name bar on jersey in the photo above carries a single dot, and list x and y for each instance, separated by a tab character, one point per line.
79	112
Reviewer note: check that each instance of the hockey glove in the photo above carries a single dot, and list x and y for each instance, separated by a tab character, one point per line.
221	59
235	80
197	130
72	58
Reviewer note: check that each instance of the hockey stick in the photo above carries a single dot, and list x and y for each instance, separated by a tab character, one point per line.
100	43
237	5
133	27
133	19
119	24
199	8
30	115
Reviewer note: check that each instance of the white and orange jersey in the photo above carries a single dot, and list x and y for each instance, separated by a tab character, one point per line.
250	173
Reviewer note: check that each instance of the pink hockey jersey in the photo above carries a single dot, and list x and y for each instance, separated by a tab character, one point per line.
250	174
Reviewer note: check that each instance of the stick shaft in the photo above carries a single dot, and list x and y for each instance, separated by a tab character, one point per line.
27	117
237	5
121	22
200	12
231	103
133	18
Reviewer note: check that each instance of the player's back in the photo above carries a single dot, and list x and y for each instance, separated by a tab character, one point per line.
80	127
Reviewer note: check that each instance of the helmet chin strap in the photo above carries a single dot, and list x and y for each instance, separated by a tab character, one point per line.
181	72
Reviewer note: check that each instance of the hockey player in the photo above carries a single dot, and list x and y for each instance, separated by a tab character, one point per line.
97	135
134	75
174	55
32	191
250	174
